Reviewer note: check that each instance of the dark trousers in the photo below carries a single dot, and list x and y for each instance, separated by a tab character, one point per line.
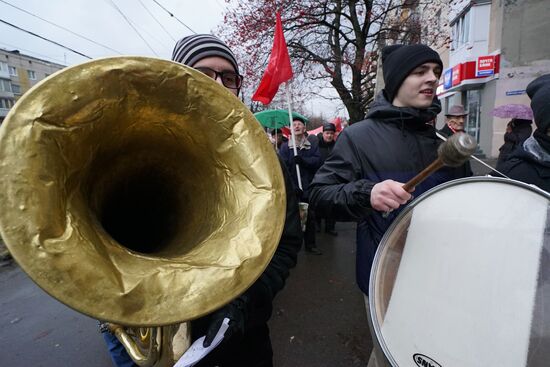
309	234
330	224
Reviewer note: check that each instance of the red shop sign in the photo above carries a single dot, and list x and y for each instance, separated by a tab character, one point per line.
457	77
485	66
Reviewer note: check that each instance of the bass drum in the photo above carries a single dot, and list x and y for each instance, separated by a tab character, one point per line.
462	278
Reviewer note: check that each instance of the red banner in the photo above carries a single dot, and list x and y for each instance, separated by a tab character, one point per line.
278	69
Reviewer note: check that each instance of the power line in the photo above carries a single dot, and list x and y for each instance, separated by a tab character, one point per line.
152	16
161	42
173	16
45	39
134	28
61	27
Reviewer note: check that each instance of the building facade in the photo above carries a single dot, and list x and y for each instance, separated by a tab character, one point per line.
497	48
19	73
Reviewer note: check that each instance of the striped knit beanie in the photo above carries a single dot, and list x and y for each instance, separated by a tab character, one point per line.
189	50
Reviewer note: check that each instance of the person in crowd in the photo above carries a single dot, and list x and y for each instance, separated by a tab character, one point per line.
530	162
278	138
327	139
309	160
517	131
363	177
454	123
247	341
454	120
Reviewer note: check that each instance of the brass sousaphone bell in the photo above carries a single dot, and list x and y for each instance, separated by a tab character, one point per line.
140	192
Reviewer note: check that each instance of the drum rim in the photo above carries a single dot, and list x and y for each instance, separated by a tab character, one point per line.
372	280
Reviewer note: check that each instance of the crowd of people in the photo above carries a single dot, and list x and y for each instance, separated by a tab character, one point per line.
357	177
311	153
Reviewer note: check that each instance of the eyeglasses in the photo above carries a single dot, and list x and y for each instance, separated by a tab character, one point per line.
229	79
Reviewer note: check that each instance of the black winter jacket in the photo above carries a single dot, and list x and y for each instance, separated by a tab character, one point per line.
521	130
392	143
530	163
311	162
324	147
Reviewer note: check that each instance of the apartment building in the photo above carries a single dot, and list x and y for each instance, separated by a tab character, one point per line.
497	48
18	73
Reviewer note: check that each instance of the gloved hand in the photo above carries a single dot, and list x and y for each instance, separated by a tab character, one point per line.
298	160
236	312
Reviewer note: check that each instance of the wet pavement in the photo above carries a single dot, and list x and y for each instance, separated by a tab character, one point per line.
318	320
36	330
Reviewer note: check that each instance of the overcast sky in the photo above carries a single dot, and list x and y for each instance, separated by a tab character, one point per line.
100	21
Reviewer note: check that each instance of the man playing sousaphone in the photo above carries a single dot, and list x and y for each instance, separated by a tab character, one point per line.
246	341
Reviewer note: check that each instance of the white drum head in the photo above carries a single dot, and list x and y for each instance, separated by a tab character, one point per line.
461	278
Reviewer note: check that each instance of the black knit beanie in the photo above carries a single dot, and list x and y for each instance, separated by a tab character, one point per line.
329	126
189	50
539	92
398	61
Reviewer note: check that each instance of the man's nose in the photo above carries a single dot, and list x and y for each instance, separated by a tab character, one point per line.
432	77
218	79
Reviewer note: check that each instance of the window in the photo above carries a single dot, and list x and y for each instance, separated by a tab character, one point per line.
466	28
13	70
16	88
5	85
31	74
6	103
3	67
461	30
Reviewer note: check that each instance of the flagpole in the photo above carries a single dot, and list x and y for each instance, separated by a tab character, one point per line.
287	88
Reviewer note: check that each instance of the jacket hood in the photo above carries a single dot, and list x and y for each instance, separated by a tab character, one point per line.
407	117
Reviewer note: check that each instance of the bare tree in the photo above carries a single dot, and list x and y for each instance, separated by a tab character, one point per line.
334	42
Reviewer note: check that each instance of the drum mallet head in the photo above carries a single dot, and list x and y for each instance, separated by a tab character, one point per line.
457	149
454	152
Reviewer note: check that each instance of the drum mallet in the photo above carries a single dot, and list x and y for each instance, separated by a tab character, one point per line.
453	152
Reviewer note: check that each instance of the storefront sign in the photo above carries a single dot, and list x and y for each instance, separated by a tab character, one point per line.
515	92
448	79
456	77
485	66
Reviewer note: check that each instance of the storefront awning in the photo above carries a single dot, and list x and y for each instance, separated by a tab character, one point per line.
469	75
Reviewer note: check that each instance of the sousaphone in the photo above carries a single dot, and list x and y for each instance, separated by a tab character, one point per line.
140	192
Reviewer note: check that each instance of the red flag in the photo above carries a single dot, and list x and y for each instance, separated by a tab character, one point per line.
278	69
